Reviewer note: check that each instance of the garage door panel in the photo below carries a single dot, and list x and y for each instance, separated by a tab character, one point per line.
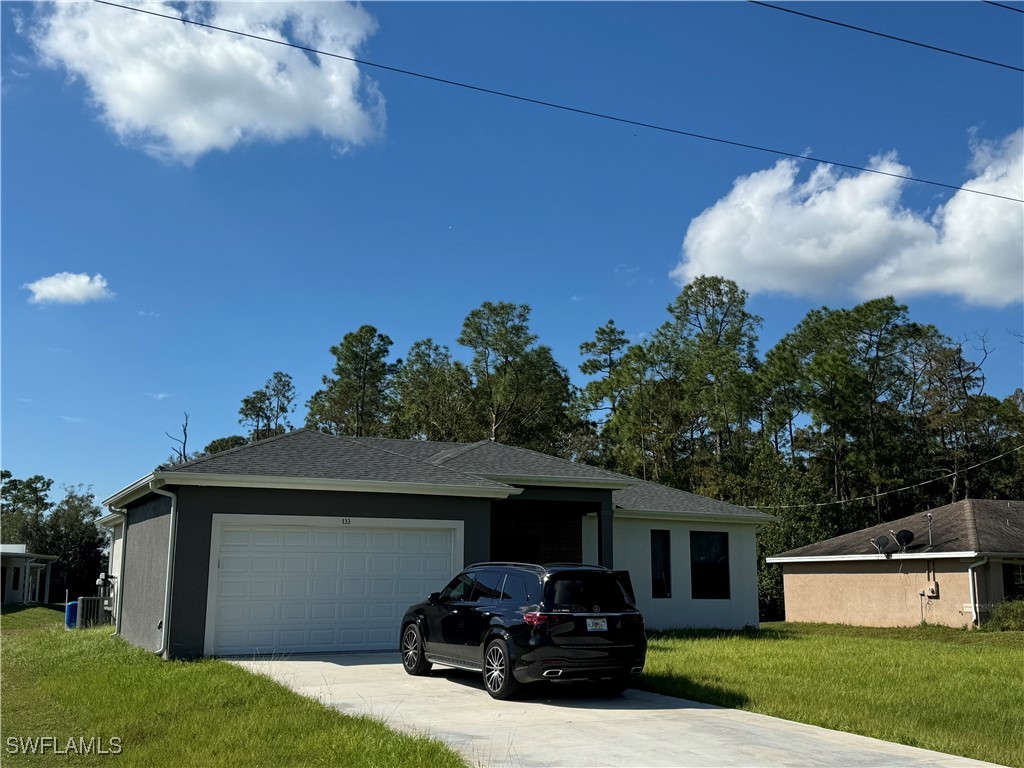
324	612
293	611
232	588
355	541
325	563
297	538
327	540
235	564
266	538
294	588
264	588
324	588
355	564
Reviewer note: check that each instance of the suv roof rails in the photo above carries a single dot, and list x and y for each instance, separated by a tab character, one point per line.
507	563
575	565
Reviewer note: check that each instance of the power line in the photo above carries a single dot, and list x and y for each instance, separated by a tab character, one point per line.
888	37
888	493
562	107
1002	5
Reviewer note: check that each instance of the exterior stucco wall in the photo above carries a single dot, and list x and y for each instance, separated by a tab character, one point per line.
145	572
882	593
197	505
633	553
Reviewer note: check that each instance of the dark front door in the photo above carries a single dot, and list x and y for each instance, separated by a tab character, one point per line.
3	584
536	532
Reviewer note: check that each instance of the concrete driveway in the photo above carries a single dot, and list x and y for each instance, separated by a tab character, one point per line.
559	726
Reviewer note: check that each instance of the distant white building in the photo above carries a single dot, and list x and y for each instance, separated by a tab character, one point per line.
24	575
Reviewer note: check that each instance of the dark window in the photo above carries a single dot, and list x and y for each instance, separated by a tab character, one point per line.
661	564
585	593
458	588
515	590
488	587
16	579
709	565
1013	581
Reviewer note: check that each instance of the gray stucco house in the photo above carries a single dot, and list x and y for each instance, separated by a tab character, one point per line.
308	542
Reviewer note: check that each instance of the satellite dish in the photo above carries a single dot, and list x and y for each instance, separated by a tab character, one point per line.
904	537
881	543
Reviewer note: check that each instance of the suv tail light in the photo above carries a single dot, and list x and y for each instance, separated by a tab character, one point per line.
538	619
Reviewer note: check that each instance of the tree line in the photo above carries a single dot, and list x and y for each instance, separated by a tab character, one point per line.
847	406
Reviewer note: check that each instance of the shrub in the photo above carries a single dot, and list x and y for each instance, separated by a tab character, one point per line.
1006	616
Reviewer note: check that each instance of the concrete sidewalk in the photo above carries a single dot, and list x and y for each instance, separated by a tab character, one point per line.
558	726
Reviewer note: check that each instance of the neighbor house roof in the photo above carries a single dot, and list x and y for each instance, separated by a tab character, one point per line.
21	550
965	528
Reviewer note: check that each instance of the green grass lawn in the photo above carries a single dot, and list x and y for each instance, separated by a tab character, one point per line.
204	713
951	690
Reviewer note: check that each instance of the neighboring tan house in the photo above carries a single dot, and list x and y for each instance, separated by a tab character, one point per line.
963	558
24	576
312	543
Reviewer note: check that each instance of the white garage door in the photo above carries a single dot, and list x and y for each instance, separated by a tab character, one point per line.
329	585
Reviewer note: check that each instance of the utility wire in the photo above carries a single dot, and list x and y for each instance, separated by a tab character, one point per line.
1003	5
888	493
888	37
562	107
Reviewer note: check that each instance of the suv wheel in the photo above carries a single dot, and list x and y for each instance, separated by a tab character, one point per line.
498	679
413	660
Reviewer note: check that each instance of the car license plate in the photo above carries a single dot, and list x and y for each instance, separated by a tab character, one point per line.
597	625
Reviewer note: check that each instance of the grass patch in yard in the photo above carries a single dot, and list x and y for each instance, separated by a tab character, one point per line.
950	690
203	713
26	618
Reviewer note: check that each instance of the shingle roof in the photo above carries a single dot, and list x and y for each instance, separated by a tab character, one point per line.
423	450
307	454
645	496
495	459
971	525
310	454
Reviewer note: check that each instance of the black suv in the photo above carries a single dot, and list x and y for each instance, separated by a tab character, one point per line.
519	623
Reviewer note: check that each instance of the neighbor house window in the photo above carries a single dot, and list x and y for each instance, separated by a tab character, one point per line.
709	565
1013	581
661	565
16	579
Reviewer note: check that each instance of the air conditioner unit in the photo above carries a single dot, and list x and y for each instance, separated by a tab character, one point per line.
933	589
94	610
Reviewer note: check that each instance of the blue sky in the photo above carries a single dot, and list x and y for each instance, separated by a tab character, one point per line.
233	208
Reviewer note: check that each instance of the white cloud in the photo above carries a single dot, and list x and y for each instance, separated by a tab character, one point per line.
834	234
75	420
68	288
146	313
179	91
157	395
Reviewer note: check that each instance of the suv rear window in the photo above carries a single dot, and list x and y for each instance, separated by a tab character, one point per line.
585	593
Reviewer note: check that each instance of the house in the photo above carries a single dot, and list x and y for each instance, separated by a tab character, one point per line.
24	575
952	566
308	542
